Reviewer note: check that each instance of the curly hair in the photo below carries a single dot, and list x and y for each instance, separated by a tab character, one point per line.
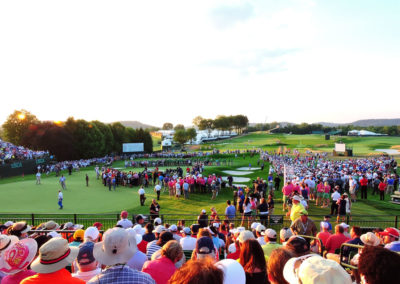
379	265
198	272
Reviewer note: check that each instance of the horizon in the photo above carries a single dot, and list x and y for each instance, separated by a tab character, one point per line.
295	61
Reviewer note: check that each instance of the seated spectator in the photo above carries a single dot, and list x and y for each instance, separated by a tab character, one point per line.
149	236
174	230
163	268
114	252
379	265
187	241
275	265
234	253
87	265
336	240
285	234
233	271
91	235
198	271
154	246
298	246
355	235
314	269
19	229
157	221
270	239
324	234
259	234
124	222
253	261
346	229
54	256
78	237
391	239
139	258
204	249
16	259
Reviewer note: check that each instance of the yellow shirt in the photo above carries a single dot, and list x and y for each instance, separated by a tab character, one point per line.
295	211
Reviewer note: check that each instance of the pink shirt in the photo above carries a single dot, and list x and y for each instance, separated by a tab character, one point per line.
287	189
160	269
18	277
320	187
327	188
324	236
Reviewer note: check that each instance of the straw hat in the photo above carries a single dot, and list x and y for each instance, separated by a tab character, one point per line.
370	239
19	256
6	241
51	225
117	247
54	255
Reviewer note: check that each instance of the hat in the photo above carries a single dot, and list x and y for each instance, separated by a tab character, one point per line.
344	225
270	233
254	225
324	225
79	234
285	233
345	194
158	221
216	225
304	212
173	228
21	227
159	229
390	232
8	223
51	225
6	241
85	255
139	230
116	247
132	233
19	255
91	233
260	228
204	211
68	225
204	245
139	217
97	225
54	234
232	248
54	255
370	239
124	214
233	271
315	269
186	231
296	197
246	235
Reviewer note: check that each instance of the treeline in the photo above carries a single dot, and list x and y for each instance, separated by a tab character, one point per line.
72	139
305	128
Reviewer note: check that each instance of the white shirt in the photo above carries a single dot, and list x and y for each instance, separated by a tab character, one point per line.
188	243
261	241
157	187
60	195
335	196
141	191
38	175
86	276
125	223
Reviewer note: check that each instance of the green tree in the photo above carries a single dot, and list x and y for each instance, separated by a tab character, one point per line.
207	124
167	126
179	126
118	131
181	137
191	134
17	124
108	137
196	121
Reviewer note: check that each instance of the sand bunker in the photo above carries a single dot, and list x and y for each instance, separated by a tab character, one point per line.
248	169
237	179
395	147
388	151
240	185
238	173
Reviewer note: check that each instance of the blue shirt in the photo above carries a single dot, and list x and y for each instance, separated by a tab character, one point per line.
230	211
122	274
393	246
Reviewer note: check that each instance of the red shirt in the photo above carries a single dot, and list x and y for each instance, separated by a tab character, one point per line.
142	246
382	186
160	269
235	255
335	241
60	277
324	236
363	182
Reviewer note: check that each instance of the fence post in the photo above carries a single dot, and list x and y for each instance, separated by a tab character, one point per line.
348	220
395	221
75	219
33	219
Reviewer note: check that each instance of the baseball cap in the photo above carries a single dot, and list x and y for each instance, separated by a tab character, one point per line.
97	225
314	269
233	271
245	235
186	231
85	255
344	225
254	225
285	234
216	225
158	221
203	211
260	228
173	228
324	225
270	233
297	198
159	229
304	212
204	245
79	234
390	232
8	223
124	214
92	233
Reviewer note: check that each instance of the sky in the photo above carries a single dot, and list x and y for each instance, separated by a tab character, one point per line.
170	61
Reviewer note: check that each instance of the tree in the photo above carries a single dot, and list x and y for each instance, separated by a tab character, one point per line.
222	123
240	122
17	124
118	131
181	137
197	120
207	124
191	134
108	137
167	126
179	126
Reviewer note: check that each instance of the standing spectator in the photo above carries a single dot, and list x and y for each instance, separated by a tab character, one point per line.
342	204
263	211
38	174
54	256
253	261
277	182
364	187
186	189
163	268
287	191
382	187
62	182
202	220
247	211
230	211
390	184
157	189
154	210
335	197
125	222
142	196
114	252
304	225
271	204
60	199
296	209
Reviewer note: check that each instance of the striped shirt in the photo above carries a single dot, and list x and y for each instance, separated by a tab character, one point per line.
152	247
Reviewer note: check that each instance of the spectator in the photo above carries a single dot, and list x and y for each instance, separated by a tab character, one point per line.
324	234
78	237
298	246
345	229
19	229
253	261
263	211
157	221
285	234
315	269
174	230
260	229
355	239
16	260
154	210
91	234
54	256
187	242
202	220
204	249
139	258
233	271
296	209
335	241
275	265
270	239
124	222
149	236
230	211
391	239
198	271
115	251
304	225
379	265
87	265
154	246
163	268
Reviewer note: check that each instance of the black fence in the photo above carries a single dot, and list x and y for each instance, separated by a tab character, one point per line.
367	223
20	167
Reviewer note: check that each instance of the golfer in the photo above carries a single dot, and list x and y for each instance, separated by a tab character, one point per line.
60	199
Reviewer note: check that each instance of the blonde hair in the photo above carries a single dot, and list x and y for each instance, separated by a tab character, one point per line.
172	250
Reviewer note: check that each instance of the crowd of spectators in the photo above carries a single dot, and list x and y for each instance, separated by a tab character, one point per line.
10	152
214	251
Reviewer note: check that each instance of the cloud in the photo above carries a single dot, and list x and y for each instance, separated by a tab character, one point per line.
228	16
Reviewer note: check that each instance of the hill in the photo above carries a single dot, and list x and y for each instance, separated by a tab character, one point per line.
366	122
136	124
